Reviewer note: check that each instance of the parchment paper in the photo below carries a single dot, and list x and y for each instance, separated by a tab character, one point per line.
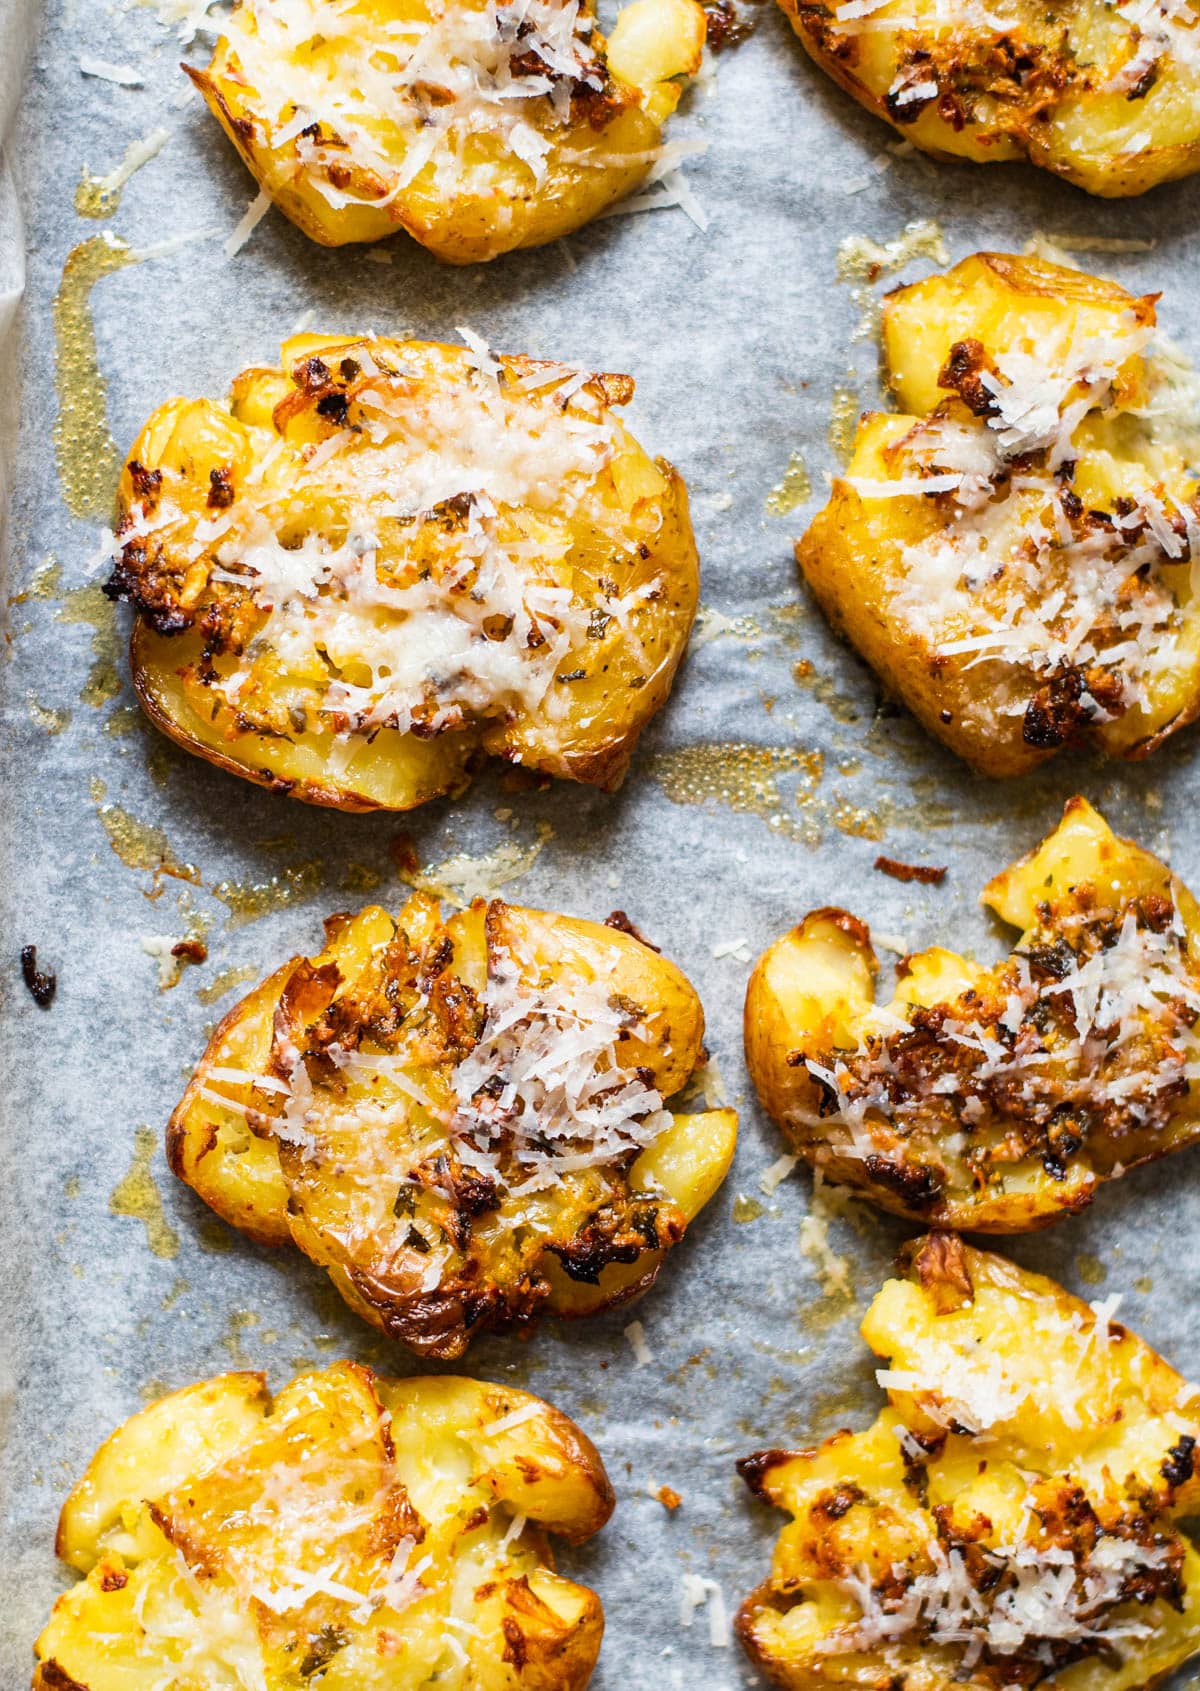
738	338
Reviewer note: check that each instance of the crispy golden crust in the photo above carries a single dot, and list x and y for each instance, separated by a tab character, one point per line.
1037	596
355	1104
1079	90
346	1530
994	1100
320	612
348	176
1010	1517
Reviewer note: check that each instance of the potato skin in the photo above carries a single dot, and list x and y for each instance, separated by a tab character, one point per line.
811	1001
602	151
1037	91
595	1240
1005	716
867	1507
200	1487
620	565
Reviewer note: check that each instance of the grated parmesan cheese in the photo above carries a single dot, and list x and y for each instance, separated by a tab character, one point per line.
253	215
700	1593
125	76
635	1333
545	1080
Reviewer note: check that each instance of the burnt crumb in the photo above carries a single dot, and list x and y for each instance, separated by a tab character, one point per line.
190	950
113	1579
220	489
755	1468
1180	1462
926	873
1067	704
620	921
919	1186
726	24
41	983
906	110
515	1650
334	407
313	375
832	1505
146	483
963	373
1144	83
322	1649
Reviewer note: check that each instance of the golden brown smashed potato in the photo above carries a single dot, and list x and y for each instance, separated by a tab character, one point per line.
1106	95
359	1533
994	1099
1013	550
476	125
1009	1519
462	1121
388	558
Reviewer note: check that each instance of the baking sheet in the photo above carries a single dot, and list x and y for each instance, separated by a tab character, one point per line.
115	1282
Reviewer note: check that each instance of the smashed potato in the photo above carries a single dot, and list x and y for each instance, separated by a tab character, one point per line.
475	125
1010	1517
1106	95
462	1121
361	1533
994	1099
387	558
1013	551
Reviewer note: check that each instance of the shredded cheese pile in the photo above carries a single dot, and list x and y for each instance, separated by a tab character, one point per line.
1038	1597
1022	575
1132	1004
455	85
546	1082
435	590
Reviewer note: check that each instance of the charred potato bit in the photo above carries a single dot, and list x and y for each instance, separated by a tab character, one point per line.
390	557
1106	95
1014	550
359	1533
475	125
462	1121
1008	1521
996	1099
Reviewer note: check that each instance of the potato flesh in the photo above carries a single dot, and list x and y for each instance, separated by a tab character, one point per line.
468	172
377	1160
343	1481
997	1116
1056	86
381	561
1019	611
1079	1435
